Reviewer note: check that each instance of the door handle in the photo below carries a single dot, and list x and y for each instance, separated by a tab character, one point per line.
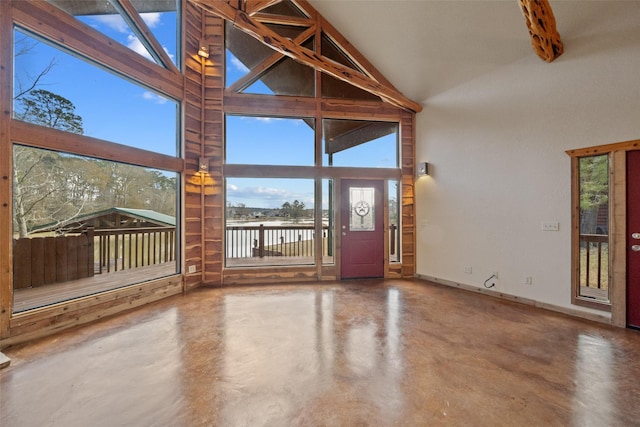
635	248
635	236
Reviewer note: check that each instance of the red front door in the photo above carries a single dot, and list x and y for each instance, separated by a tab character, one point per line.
633	239
362	229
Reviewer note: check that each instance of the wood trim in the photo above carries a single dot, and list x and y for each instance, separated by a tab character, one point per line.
385	227
212	137
54	139
254	6
527	301
618	235
607	148
48	320
6	157
291	106
576	299
407	183
310	172
292	21
542	28
266	275
71	34
575	229
305	56
146	36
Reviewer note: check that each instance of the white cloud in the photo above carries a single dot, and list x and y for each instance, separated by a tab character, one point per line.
150	96
265	196
239	65
115	22
135	45
262	119
151	19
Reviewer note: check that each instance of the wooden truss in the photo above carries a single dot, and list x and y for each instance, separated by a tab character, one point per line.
247	16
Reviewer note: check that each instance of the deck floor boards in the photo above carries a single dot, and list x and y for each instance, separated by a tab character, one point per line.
30	298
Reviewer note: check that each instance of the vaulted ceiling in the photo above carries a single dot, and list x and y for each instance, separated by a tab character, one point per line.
425	47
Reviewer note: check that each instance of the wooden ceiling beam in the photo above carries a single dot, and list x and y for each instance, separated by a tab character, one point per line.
293	21
541	23
258	5
259	31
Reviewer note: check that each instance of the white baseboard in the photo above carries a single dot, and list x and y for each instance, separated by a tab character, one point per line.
527	301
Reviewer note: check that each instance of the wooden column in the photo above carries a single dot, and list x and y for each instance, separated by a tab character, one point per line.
6	59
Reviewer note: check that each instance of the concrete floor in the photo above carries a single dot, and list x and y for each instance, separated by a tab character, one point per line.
360	353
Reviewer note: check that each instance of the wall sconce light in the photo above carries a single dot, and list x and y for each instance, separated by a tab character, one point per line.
203	165
423	169
203	49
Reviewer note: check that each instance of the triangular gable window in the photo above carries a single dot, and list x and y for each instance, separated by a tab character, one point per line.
285	8
243	53
288	31
160	17
334	88
286	77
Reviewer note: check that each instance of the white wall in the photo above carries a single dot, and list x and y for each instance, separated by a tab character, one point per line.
496	147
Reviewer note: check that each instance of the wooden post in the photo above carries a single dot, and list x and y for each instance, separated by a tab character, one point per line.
261	241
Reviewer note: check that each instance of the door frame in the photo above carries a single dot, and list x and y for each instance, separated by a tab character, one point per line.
617	223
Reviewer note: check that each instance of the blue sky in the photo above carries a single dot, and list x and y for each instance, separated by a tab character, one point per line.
117	110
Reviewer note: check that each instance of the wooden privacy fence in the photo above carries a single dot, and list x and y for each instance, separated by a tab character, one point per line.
41	261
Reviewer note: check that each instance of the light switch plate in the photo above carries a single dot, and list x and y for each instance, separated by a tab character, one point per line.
550	226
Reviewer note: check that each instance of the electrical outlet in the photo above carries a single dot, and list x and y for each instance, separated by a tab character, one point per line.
528	280
191	269
495	274
550	226
468	270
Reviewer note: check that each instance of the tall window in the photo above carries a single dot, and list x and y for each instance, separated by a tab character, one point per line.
57	90
87	216
327	135
591	240
270	222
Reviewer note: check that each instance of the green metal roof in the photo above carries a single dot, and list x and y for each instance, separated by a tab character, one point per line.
144	214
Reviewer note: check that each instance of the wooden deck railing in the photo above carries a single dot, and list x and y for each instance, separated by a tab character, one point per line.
269	241
124	248
292	240
594	260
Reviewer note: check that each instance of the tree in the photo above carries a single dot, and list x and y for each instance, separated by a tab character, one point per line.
594	181
594	191
293	210
48	109
37	173
24	46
